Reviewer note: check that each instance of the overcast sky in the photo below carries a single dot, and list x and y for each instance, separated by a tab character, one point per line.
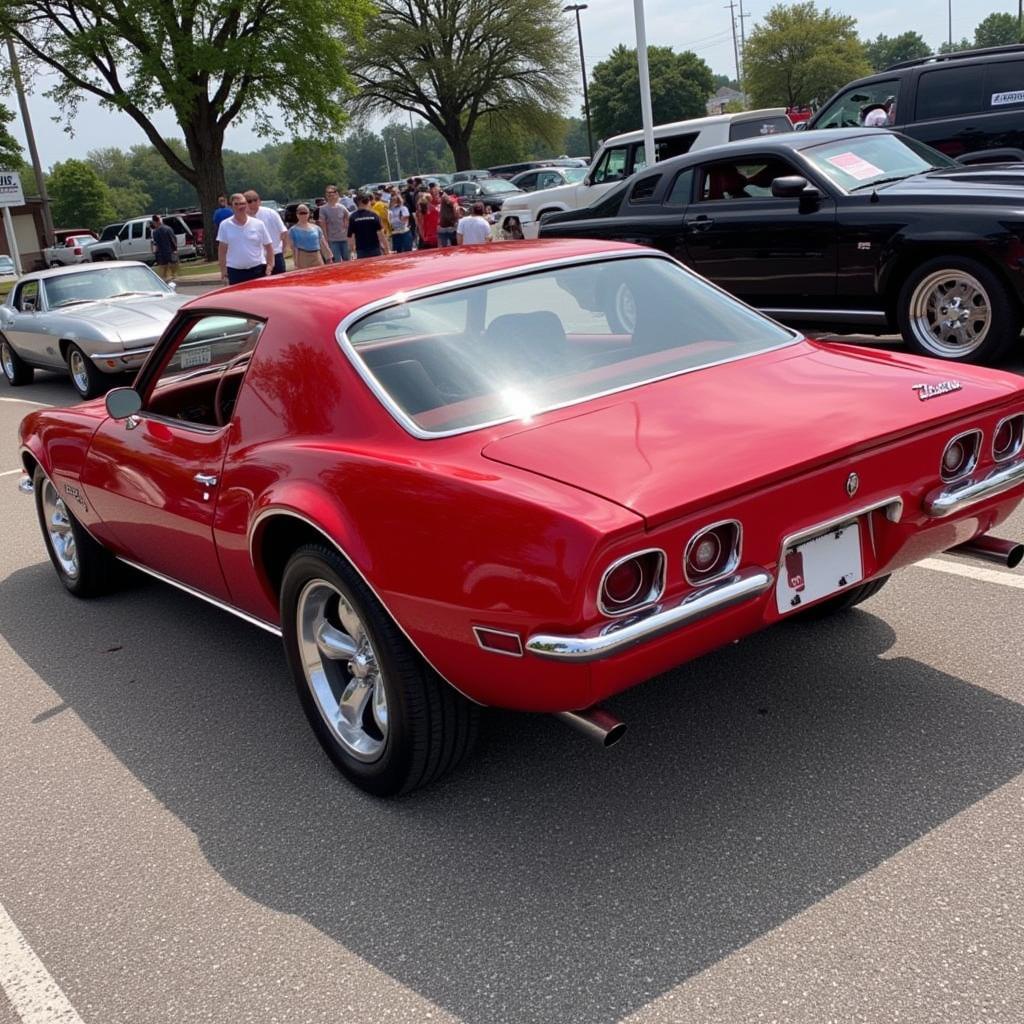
703	27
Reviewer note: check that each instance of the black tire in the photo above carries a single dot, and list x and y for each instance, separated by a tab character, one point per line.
86	378
429	727
16	370
620	309
964	293
85	567
845	601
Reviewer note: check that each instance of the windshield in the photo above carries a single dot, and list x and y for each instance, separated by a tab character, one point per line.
873	158
497	185
574	174
101	283
514	347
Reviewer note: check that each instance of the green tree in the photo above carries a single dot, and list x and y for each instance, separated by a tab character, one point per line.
309	165
455	62
799	54
11	157
997	30
78	196
963	44
575	140
680	86
210	62
723	82
884	51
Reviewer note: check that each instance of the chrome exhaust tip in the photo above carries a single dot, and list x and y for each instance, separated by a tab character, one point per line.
596	724
992	549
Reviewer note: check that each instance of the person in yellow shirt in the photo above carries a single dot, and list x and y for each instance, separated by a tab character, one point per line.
380	207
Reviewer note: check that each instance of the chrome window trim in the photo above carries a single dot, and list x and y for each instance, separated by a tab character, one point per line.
970	465
500	632
730	566
1018	444
398	297
654	593
278	510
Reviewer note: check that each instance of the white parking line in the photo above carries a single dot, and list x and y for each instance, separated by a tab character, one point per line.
11	472
972	572
27	983
25	401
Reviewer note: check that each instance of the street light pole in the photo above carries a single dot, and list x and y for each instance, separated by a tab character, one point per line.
583	67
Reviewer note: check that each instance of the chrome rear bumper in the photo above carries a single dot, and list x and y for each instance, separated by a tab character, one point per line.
954	498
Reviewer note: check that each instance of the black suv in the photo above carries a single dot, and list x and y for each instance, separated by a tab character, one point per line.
968	105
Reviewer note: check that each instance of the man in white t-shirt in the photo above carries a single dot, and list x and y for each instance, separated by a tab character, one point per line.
474	229
275	227
244	248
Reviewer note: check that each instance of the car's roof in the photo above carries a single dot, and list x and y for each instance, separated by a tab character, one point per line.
334	291
697	124
81	268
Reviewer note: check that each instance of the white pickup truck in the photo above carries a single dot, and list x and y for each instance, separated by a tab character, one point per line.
132	241
70	249
622	155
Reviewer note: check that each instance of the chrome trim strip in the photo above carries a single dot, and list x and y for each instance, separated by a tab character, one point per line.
970	464
653	594
893	508
945	501
730	565
281	511
873	315
399	297
1018	440
500	632
626	633
216	602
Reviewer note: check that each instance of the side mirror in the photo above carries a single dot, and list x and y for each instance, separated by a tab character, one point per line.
173	285
123	402
790	187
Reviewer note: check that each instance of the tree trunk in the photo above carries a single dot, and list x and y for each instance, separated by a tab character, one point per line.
205	149
455	134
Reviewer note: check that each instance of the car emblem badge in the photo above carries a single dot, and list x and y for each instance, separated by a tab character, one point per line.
926	391
852	483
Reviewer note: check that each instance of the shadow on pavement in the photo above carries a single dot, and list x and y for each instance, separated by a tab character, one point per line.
548	880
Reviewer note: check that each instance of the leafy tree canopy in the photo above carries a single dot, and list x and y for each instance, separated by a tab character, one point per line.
78	196
455	62
963	44
799	54
997	30
210	62
680	86
884	51
309	165
11	157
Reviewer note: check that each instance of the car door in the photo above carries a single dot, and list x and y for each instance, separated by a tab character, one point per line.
769	251
26	327
527	182
153	478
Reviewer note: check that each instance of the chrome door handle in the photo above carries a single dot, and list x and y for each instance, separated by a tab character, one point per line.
206	479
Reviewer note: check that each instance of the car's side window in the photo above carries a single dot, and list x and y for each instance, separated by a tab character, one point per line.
748	178
643	191
850	109
1003	85
123	234
137	229
27	299
548	179
613	166
201	374
527	182
947	92
681	191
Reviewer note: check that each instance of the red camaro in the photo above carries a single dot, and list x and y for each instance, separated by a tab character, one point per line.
449	480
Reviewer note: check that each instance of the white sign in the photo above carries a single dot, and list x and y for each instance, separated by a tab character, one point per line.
1001	99
10	189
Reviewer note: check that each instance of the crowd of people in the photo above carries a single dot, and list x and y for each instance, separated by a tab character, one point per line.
253	241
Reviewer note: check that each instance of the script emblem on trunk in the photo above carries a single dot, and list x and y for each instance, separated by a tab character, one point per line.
926	391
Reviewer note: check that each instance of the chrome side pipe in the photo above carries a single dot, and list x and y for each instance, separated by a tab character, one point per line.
992	549
596	724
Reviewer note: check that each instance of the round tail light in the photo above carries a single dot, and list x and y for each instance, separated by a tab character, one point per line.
1008	438
712	552
624	582
960	455
632	582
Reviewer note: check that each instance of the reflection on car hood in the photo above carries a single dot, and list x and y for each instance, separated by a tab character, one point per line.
682	443
127	319
1001	183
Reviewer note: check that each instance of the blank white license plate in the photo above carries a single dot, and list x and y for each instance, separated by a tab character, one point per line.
818	567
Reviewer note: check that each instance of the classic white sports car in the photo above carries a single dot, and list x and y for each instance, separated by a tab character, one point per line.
95	320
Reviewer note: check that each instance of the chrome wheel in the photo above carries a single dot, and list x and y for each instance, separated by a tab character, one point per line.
624	310
950	313
57	523
79	371
7	357
342	670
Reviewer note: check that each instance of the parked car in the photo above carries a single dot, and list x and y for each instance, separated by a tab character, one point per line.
509	170
470	175
95	321
73	249
443	178
290	217
968	104
848	230
489	191
623	154
61	235
392	465
548	177
8	271
132	242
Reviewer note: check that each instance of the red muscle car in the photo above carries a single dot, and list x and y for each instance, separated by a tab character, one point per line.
449	483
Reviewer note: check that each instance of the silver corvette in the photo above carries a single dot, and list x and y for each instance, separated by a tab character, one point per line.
94	320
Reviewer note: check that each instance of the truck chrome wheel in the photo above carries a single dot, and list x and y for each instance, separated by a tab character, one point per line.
950	313
342	670
57	523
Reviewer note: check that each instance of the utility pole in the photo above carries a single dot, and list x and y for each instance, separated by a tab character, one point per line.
37	167
583	68
645	83
387	161
415	153
742	80
398	163
731	8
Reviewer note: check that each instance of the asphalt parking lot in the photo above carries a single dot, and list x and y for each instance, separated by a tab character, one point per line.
822	823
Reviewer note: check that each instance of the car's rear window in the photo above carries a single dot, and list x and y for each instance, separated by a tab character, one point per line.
513	347
769	125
